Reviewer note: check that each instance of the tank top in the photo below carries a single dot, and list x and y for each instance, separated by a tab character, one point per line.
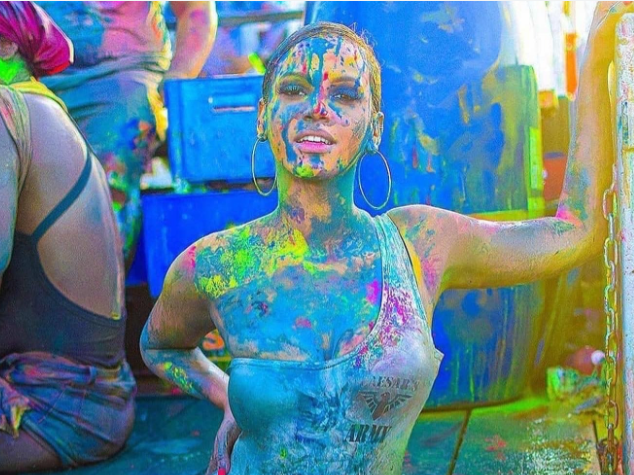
132	33
34	315
349	415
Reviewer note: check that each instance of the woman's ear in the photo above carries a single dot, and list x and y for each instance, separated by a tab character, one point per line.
8	49
261	125
377	129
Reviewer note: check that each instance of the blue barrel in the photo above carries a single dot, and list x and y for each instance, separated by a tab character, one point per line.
462	132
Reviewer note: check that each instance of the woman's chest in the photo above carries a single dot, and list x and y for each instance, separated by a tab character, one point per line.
377	386
313	312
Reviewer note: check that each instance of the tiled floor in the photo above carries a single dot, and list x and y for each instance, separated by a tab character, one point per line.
174	435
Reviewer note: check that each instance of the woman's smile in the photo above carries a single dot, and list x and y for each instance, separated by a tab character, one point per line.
314	142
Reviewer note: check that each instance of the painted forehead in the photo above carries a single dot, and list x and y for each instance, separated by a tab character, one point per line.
327	57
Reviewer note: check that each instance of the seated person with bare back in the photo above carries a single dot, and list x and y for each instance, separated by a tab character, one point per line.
66	391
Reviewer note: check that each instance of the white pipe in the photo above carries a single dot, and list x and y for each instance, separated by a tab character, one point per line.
625	190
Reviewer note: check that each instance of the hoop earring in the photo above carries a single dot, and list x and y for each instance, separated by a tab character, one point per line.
389	182
255	181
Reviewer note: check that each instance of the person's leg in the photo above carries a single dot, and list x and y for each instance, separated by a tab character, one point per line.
25	454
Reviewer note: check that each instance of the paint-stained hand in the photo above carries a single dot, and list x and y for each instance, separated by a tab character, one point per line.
220	463
602	32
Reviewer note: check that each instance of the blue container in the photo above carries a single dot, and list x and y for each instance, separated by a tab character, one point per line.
462	132
173	221
137	274
212	129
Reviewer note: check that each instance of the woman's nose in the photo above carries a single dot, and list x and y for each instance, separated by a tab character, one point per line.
318	108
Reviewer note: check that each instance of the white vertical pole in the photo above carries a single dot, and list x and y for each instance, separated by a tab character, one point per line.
625	240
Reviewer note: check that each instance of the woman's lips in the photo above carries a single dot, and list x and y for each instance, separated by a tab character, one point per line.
313	143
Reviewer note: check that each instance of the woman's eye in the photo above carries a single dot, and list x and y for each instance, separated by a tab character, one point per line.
347	96
292	90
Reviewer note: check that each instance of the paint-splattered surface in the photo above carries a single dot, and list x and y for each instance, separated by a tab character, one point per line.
527	437
174	435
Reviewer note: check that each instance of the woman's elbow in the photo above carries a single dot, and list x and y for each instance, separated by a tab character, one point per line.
148	351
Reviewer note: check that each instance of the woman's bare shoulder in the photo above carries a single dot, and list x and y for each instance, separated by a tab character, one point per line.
223	260
55	136
415	221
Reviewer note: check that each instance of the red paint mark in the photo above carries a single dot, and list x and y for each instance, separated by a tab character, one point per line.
303	323
196	433
325	75
497	444
415	161
430	167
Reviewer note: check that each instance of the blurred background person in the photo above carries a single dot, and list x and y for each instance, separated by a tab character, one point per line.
245	48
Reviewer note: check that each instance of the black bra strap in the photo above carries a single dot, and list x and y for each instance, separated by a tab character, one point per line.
66	202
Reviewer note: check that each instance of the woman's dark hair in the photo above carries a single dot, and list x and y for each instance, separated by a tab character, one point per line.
326	29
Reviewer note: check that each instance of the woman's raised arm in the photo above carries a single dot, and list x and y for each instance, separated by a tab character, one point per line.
462	252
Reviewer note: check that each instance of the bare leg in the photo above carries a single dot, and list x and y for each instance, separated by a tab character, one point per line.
24	454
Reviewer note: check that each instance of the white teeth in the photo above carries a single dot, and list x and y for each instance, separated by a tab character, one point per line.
314	138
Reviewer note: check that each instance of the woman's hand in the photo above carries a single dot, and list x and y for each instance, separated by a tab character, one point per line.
602	31
226	437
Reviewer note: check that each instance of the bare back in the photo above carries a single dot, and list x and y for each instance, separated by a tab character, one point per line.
80	252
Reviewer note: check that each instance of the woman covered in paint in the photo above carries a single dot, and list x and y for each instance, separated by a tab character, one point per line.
326	310
66	391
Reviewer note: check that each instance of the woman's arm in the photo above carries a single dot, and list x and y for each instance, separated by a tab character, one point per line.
169	342
196	25
169	346
457	251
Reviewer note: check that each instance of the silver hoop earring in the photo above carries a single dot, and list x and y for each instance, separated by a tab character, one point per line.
389	182
255	181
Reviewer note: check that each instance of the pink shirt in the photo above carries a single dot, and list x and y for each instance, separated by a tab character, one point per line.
114	31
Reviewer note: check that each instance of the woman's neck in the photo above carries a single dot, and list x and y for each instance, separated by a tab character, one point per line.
14	70
322	211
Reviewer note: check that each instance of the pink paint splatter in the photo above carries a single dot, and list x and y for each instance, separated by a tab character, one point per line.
372	291
431	276
191	257
301	322
567	215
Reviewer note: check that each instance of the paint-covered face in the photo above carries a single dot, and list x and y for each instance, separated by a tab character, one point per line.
318	115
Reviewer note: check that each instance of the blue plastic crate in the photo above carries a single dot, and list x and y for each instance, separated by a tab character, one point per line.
212	129
137	274
174	221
